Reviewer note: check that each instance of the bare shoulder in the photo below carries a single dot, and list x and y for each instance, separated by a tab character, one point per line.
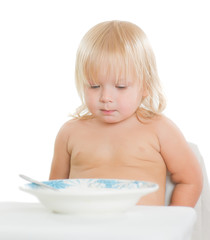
66	131
168	133
175	149
164	127
69	126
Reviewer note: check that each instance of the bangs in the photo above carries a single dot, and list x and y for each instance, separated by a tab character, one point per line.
109	65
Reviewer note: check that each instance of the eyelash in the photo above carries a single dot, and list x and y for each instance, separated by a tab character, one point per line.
94	86
98	86
121	87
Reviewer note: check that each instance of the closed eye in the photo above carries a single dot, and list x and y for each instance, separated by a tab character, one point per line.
94	86
121	86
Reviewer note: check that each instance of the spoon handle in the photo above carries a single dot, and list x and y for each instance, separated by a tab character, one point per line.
37	182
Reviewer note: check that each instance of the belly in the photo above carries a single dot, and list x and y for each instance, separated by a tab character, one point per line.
150	172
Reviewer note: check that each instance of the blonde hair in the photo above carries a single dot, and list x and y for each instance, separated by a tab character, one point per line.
123	44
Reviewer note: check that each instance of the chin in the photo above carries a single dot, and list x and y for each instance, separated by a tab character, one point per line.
111	120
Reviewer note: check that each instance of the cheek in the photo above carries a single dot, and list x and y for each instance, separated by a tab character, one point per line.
90	99
137	97
133	98
129	105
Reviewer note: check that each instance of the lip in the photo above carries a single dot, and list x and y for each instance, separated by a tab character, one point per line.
107	112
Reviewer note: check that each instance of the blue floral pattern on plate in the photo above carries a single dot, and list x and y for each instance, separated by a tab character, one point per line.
58	184
95	184
91	196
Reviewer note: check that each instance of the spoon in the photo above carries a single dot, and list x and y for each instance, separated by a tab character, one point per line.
38	182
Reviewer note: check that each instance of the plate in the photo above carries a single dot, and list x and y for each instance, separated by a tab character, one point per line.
87	196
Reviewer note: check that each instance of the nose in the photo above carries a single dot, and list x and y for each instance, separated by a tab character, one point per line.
105	96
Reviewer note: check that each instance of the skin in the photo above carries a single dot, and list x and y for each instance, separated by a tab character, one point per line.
115	144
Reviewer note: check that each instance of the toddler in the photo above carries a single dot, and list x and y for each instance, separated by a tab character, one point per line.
119	131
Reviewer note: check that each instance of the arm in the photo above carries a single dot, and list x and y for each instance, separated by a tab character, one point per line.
181	163
60	167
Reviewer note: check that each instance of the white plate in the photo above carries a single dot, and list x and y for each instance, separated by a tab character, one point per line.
86	196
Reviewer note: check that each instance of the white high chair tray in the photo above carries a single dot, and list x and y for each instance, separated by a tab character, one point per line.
23	221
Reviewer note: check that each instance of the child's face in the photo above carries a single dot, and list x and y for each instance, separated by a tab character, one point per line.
112	100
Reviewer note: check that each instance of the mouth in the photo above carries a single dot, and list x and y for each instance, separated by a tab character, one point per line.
107	112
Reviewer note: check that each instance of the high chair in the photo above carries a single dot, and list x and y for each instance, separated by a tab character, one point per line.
202	208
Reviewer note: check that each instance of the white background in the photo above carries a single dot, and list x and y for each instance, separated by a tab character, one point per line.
38	43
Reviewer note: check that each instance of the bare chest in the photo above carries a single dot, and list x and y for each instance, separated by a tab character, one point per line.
113	147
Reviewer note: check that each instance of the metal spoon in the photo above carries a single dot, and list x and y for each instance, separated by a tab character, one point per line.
38	182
